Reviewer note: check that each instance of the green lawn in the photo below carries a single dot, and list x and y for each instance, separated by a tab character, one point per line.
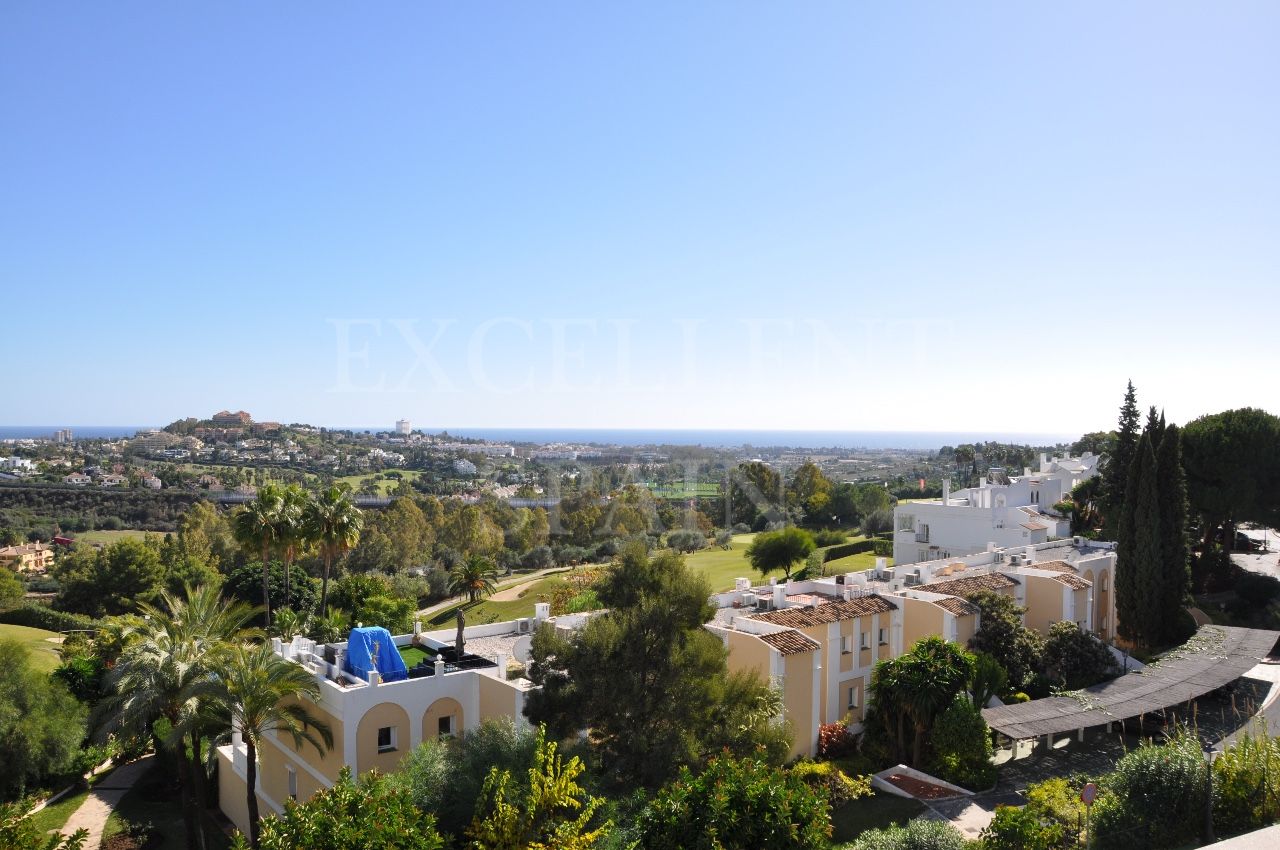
877	812
105	537
853	563
386	485
489	611
54	816
42	652
722	566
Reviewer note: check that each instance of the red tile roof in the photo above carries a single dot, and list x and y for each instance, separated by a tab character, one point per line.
1073	581
957	606
1055	566
971	584
791	642
828	612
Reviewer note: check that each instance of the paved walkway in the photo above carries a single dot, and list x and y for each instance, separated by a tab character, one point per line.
94	811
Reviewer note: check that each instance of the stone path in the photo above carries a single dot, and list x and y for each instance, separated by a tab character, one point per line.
94	811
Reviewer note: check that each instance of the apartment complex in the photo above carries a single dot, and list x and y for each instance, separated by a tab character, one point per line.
376	722
818	640
1005	510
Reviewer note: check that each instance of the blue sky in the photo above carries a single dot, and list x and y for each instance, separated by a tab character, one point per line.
854	216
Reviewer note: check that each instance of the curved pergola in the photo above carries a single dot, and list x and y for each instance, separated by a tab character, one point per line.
1215	656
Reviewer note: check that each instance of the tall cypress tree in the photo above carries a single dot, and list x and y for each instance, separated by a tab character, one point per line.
1146	546
1154	429
1115	476
1171	488
1126	580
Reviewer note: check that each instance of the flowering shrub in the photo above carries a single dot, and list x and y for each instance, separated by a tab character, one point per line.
835	740
839	786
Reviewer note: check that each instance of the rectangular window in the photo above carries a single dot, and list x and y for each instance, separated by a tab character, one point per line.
386	739
293	782
884	637
846	644
853	697
446	726
865	640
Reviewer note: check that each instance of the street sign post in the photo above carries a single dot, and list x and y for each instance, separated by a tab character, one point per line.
1088	794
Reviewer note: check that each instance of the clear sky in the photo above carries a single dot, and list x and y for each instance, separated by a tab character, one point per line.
915	216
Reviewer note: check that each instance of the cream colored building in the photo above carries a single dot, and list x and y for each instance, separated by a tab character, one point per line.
27	558
818	640
375	724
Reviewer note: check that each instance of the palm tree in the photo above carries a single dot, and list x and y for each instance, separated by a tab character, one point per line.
263	693
474	577
334	522
291	529
257	527
158	674
286	623
329	628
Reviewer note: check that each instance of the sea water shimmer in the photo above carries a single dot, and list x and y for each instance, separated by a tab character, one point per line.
733	438
643	437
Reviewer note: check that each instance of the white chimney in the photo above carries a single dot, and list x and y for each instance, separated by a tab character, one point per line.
1030	553
946	491
439	665
541	611
742	584
779	596
881	563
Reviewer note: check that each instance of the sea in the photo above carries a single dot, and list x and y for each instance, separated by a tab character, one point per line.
810	440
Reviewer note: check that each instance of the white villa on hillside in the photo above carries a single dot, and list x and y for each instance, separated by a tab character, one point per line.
375	723
1004	510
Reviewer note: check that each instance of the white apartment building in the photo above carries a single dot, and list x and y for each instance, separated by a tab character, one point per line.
1004	510
403	427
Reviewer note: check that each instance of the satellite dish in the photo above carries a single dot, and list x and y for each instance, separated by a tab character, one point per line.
523	650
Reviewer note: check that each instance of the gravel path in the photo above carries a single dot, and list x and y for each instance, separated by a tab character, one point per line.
94	811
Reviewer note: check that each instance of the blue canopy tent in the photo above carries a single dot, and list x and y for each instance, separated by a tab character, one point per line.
371	648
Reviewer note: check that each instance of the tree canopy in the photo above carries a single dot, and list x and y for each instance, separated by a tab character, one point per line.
1232	462
646	677
779	550
41	723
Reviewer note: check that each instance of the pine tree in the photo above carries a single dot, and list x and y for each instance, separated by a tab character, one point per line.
1116	473
1171	487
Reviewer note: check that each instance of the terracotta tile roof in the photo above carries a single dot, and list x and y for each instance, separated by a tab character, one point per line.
828	612
957	606
1073	581
790	642
971	584
1034	526
1054	566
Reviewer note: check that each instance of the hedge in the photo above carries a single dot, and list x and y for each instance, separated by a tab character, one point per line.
844	550
44	617
883	548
